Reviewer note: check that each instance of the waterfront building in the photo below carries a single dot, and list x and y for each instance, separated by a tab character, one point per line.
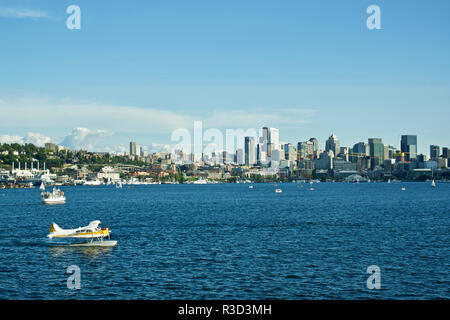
325	161
343	165
442	163
408	145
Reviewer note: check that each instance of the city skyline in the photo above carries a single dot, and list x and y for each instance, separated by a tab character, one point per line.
331	143
308	68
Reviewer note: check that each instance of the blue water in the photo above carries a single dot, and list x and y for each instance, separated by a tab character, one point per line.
226	241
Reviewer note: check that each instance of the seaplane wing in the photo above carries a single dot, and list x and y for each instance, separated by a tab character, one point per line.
90	231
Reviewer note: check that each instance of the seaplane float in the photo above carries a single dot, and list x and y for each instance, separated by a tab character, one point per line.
91	233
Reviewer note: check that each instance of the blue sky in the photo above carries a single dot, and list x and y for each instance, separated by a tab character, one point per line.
137	70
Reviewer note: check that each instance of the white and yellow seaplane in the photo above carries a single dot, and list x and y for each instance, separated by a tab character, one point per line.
90	233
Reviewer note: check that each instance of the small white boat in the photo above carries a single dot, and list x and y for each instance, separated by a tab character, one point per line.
433	184
278	190
42	187
403	188
92	183
54	197
119	185
250	187
311	189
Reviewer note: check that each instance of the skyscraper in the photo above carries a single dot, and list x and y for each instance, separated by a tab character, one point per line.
445	153
408	145
434	152
333	144
132	148
290	152
240	156
315	143
302	151
376	148
249	146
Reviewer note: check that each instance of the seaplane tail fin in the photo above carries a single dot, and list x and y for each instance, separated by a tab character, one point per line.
54	228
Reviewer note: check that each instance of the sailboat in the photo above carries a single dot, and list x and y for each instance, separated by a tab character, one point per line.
42	187
433	184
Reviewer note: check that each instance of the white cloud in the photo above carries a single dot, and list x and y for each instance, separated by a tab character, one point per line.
4	138
128	122
22	13
34	138
86	139
60	114
158	147
37	139
45	113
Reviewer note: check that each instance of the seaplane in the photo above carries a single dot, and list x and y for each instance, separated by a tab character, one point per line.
90	233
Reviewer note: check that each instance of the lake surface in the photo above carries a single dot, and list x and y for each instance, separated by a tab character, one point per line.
226	241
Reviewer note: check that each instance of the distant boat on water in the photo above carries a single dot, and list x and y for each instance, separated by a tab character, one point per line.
433	184
403	188
54	197
92	183
42	187
278	191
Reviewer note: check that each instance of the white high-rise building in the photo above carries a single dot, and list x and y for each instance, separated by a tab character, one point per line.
275	137
240	156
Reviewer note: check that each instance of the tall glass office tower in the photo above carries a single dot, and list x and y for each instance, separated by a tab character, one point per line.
376	147
249	146
408	145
